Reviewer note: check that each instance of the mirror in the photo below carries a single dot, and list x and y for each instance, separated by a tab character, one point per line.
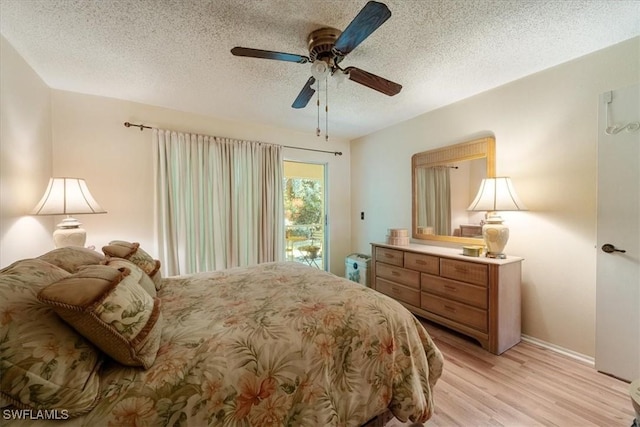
444	183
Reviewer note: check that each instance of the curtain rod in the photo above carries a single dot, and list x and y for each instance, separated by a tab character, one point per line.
335	153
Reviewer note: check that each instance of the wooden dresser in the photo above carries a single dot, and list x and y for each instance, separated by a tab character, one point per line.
476	296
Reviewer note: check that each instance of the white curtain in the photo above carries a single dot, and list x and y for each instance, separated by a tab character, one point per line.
219	202
435	189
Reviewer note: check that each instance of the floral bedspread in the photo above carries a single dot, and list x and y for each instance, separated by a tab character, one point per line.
278	344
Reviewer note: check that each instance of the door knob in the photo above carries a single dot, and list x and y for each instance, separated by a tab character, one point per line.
609	248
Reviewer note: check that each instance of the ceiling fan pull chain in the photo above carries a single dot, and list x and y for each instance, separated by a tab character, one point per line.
326	109
326	125
318	104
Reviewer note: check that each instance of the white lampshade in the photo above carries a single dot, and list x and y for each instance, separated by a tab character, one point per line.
68	196
496	194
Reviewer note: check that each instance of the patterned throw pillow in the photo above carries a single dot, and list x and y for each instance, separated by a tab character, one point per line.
109	308
71	258
132	252
44	364
138	274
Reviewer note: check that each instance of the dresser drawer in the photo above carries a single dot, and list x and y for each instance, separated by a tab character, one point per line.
421	262
477	297
461	313
452	289
398	275
469	272
398	292
390	256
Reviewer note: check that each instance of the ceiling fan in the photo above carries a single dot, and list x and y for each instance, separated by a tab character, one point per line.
328	47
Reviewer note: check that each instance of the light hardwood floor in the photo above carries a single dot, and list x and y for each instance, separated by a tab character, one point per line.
527	385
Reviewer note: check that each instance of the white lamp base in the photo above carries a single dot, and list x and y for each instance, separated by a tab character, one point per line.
496	236
69	233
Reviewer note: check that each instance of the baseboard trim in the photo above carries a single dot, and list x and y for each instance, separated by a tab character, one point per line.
561	350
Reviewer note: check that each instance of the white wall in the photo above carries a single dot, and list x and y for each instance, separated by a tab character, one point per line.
90	141
25	157
545	127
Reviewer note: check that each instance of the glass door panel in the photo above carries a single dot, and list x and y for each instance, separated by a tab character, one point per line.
304	211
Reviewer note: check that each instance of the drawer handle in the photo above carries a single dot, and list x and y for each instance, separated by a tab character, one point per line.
395	290
461	269
421	262
395	273
449	308
450	288
388	256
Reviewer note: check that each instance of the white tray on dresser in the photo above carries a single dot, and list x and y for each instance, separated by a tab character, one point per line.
476	296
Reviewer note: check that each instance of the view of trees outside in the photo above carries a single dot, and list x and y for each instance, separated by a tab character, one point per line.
303	204
304	213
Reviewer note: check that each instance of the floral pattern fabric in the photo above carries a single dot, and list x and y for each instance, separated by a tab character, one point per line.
110	308
134	253
136	272
44	364
72	258
278	344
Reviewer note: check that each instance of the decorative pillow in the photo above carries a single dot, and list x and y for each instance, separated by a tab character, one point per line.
110	309
138	274
44	364
71	258
134	253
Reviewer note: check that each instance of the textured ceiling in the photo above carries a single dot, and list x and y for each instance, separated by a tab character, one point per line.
175	53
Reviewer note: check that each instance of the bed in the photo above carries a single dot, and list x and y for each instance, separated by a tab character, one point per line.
276	344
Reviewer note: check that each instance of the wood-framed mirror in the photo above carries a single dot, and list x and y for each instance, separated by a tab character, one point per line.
444	183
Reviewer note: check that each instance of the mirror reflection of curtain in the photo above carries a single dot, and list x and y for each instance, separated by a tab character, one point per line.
434	188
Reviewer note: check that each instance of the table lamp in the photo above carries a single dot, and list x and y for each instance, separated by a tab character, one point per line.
496	194
68	196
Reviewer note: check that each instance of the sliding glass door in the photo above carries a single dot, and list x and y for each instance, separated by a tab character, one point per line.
304	211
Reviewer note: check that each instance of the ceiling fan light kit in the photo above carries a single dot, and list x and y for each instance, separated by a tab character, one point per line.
319	70
327	48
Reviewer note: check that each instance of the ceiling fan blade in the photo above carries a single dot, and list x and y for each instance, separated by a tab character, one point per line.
305	94
268	54
372	81
372	16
